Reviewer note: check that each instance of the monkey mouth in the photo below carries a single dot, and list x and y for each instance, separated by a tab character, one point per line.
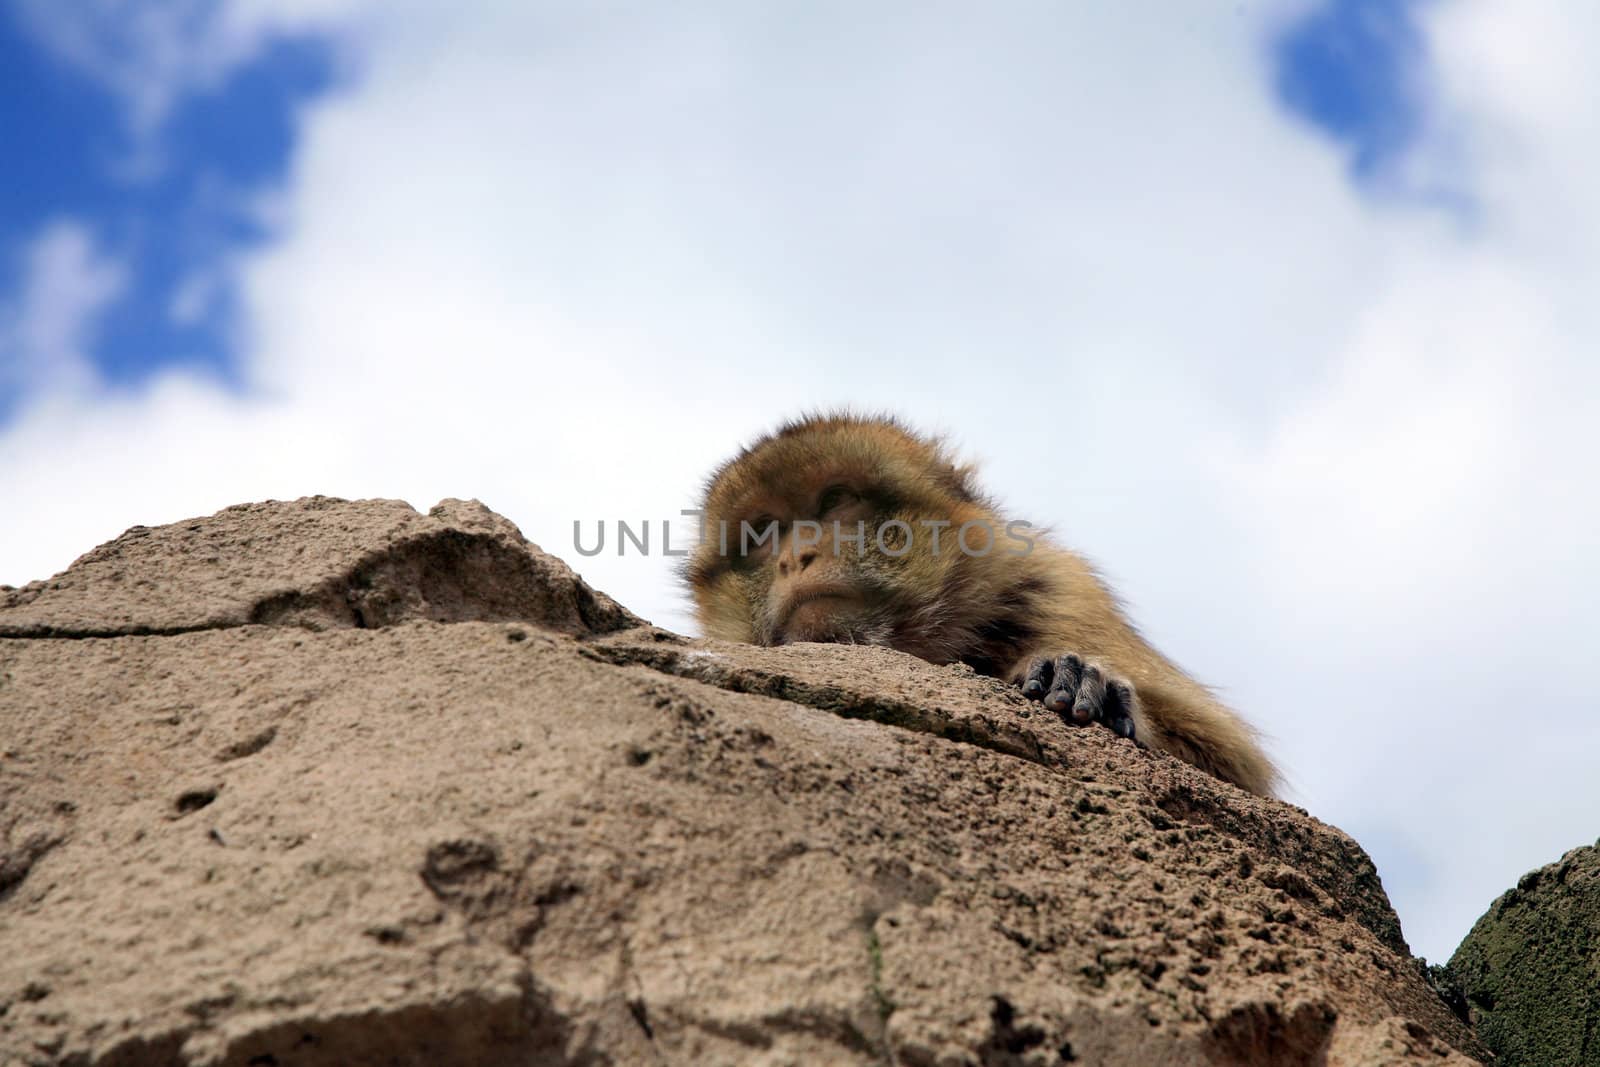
812	613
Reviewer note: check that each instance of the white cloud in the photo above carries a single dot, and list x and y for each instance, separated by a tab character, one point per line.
1423	524
46	332
1334	449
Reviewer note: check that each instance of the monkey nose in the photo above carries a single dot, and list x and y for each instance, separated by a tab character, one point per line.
797	562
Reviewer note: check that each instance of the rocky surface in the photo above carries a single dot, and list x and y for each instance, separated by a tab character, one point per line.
1529	971
317	563
337	783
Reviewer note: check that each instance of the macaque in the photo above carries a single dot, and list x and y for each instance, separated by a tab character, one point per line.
849	528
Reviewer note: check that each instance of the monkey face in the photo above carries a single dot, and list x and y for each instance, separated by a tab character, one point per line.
821	532
819	584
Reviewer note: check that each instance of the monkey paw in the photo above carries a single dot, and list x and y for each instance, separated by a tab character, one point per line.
1081	692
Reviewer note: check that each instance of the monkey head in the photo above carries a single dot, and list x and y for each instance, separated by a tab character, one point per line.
843	528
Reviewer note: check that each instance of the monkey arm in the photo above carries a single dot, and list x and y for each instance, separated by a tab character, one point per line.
1205	733
1172	714
1089	664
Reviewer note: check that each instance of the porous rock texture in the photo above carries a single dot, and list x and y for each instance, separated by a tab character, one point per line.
322	782
1529	971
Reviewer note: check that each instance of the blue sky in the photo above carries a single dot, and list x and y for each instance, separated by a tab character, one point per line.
172	219
561	257
1351	68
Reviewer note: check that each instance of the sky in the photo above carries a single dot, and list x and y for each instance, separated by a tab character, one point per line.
1281	312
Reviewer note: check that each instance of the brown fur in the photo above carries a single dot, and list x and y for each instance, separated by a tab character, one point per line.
995	612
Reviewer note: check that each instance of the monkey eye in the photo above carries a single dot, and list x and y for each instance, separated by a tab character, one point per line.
760	540
833	497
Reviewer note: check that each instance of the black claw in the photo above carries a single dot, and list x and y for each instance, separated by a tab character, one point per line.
1090	704
1037	681
1064	688
1119	704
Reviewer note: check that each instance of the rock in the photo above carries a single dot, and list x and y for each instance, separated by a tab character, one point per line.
1529	970
334	783
317	562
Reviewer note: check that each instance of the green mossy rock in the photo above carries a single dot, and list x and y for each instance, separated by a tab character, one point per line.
1530	968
